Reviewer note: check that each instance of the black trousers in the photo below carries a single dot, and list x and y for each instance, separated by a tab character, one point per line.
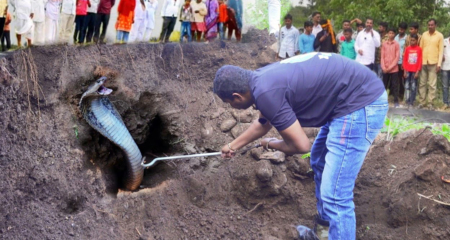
6	37
79	34
390	81
101	20
2	25
167	28
89	26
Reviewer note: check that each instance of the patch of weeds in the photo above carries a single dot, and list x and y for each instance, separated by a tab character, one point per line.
396	125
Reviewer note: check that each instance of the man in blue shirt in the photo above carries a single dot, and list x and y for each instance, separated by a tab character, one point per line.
306	40
325	90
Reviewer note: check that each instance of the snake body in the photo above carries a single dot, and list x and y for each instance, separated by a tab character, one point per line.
101	115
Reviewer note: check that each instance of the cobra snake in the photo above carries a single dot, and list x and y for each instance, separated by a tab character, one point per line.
101	115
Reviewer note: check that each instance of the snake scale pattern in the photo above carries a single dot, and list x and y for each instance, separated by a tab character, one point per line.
101	115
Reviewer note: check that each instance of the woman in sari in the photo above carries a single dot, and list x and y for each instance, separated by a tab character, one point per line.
125	20
211	19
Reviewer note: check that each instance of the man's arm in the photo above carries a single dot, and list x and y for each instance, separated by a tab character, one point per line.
255	131
397	56
382	62
296	49
294	140
317	40
376	39
441	53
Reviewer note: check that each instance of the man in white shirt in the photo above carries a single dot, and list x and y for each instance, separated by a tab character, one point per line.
288	39
52	9
138	28
169	12
68	12
316	21
150	9
365	45
446	72
38	7
89	22
24	22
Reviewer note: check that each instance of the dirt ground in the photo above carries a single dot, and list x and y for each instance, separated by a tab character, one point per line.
60	179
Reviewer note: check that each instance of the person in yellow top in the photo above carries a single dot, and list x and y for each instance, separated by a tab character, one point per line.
432	44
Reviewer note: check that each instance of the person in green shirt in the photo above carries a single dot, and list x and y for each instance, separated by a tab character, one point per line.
348	46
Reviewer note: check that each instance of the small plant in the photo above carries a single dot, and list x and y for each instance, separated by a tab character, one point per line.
75	130
367	228
306	155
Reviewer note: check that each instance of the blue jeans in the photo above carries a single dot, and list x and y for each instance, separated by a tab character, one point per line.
410	88
445	83
122	36
221	32
336	158
186	30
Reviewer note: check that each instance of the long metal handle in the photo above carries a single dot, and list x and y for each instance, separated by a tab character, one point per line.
180	157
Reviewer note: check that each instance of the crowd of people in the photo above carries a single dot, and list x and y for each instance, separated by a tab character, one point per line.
407	64
49	21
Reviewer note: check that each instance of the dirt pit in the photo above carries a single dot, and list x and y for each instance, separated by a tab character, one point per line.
60	178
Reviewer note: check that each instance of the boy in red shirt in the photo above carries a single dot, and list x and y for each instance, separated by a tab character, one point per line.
412	64
223	18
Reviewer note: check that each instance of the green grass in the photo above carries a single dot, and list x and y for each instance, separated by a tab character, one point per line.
396	125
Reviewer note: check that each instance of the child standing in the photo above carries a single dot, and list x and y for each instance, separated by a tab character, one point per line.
390	53
306	40
348	46
185	19
223	18
412	64
125	20
6	29
80	18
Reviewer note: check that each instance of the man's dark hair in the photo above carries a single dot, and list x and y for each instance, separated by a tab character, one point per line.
384	24
323	21
346	20
369	18
391	30
231	79
414	25
360	25
349	30
308	24
403	25
315	13
432	19
288	16
415	36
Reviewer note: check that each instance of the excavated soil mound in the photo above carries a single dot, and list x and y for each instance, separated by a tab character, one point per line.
61	179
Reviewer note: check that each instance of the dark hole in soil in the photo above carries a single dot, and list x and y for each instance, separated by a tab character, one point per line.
158	139
159	143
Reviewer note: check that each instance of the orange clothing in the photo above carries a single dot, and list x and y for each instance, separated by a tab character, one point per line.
7	22
124	22
223	14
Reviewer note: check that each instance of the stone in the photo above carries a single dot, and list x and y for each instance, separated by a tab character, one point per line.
256	153
239	129
430	170
245	116
207	130
190	148
311	132
228	124
217	114
274	157
264	171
